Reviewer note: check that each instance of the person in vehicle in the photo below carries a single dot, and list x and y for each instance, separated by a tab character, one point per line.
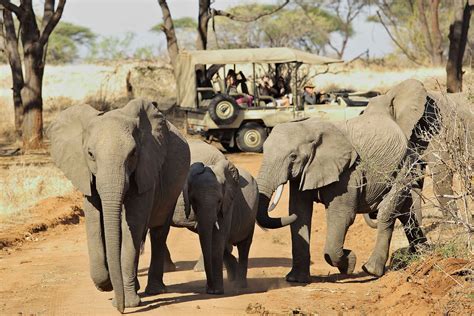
278	91
204	82
310	96
231	83
283	93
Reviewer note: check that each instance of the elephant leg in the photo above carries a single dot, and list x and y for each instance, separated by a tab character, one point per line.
411	227
231	264
158	237
301	204
95	244
168	265
442	186
339	217
244	248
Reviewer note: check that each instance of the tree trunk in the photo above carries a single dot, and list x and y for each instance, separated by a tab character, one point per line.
168	29
437	40
31	95
458	32
203	22
13	56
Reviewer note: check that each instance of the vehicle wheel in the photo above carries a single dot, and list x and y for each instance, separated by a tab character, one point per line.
223	109
230	149
250	137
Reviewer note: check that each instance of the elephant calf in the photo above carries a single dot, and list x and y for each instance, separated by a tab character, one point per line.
224	200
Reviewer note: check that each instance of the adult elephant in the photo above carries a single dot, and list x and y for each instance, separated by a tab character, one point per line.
456	127
130	164
355	166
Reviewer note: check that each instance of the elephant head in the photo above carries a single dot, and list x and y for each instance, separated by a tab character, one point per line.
110	154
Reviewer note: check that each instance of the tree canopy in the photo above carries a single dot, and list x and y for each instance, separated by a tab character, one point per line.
66	40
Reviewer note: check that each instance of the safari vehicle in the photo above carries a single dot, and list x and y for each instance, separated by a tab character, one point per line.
216	114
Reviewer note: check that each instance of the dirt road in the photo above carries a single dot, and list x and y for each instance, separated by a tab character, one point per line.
51	277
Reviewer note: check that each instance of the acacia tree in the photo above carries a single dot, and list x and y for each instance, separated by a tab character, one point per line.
206	13
416	27
34	40
458	33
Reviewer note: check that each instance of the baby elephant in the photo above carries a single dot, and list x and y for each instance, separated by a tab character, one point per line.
224	200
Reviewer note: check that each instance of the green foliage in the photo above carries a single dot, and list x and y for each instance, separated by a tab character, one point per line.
65	41
112	47
292	26
179	24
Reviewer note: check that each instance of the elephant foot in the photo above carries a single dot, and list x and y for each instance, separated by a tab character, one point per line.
373	268
105	286
345	264
298	277
155	289
214	291
131	300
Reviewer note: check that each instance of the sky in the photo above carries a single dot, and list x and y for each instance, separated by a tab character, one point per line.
117	17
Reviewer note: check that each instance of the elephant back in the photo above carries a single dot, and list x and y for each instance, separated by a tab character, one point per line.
205	153
379	142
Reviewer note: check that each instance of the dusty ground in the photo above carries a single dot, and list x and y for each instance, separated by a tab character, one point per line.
47	273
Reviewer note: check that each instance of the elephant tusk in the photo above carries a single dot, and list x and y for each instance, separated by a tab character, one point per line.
277	197
217	225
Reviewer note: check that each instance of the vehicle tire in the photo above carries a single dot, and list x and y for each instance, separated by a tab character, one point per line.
223	109
250	137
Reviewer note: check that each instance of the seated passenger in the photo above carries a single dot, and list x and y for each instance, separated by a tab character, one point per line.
231	84
204	82
283	93
310	96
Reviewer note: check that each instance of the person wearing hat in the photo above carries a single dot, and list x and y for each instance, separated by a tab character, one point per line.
310	96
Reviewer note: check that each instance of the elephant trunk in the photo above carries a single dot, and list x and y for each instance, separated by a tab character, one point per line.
112	194
266	191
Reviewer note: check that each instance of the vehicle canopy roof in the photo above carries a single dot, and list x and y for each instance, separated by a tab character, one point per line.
186	64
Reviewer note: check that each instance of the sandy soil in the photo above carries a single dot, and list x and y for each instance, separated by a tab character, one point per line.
48	275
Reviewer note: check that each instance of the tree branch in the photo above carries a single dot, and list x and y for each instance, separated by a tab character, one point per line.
394	40
53	21
11	7
248	19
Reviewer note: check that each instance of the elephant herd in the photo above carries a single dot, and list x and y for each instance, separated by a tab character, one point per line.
139	174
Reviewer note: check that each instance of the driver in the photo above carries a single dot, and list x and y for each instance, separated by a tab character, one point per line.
310	96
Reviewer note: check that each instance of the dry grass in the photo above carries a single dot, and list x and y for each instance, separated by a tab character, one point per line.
22	186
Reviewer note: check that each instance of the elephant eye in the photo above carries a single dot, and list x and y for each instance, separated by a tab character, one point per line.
293	156
91	155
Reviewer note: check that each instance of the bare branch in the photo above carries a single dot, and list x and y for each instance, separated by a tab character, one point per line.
11	7
53	21
404	50
251	18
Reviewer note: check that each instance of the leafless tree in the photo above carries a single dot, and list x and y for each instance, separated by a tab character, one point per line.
27	87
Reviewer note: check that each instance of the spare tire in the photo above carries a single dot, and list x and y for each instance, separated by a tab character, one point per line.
223	109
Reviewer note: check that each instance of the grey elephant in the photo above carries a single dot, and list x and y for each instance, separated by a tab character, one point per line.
219	202
354	166
131	165
456	124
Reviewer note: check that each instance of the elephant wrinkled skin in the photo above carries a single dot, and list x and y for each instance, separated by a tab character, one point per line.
130	164
349	167
219	202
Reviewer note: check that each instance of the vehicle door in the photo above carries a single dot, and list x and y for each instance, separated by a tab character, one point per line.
327	112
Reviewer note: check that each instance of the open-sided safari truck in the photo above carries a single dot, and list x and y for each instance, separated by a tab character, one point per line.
215	113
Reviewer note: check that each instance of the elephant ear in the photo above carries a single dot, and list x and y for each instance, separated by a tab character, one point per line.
196	168
66	133
154	134
328	153
405	103
225	168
